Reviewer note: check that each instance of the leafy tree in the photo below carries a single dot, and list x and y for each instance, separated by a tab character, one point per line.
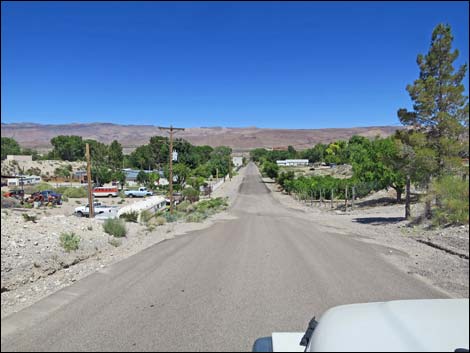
142	178
271	169
220	159
315	154
119	176
115	155
101	175
68	148
98	152
153	178
181	171
9	146
440	108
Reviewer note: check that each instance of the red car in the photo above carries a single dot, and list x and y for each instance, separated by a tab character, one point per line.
17	194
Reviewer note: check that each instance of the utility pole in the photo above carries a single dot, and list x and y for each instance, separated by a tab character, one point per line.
90	189
172	130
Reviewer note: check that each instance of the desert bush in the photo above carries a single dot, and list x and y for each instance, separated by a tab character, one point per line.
115	242
130	216
183	206
191	194
196	217
145	216
115	227
9	202
452	206
69	241
75	193
29	218
171	217
160	220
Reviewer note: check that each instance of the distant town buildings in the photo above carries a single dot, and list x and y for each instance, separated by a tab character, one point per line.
292	162
18	158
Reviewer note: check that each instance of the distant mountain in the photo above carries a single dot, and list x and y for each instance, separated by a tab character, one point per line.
240	139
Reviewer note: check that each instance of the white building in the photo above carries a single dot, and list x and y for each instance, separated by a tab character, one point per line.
237	161
25	179
293	162
18	158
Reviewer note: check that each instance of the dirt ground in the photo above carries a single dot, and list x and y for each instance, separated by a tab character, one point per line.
439	257
34	265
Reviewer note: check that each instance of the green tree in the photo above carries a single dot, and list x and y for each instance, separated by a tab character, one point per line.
68	148
98	152
142	178
271	169
9	146
115	155
119	176
440	108
101	174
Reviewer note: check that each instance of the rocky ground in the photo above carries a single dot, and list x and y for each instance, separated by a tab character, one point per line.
437	256
34	264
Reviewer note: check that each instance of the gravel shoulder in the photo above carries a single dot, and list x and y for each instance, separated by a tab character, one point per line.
34	265
438	257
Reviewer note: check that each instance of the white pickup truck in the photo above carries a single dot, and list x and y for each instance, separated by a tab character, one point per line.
141	192
98	208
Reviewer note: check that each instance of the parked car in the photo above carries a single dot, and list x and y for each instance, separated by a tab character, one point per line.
140	192
17	194
103	191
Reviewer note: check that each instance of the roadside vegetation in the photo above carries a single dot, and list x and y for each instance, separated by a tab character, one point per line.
69	241
115	227
430	154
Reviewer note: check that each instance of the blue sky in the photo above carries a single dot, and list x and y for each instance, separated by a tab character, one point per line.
265	64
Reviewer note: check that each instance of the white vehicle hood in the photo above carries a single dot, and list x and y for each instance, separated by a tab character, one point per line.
408	325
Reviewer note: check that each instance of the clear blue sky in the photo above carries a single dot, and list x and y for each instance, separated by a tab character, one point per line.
265	64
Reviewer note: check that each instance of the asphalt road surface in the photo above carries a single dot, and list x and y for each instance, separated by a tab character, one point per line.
218	289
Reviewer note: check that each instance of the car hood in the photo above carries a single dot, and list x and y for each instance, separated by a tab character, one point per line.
406	325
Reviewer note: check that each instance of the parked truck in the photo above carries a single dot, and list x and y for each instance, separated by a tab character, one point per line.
98	208
141	192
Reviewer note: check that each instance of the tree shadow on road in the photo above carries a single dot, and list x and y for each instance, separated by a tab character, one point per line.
379	220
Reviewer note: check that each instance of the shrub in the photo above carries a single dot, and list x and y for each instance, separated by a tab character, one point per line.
115	227
145	216
75	193
115	242
28	218
452	194
171	217
160	220
196	217
69	241
183	206
130	216
191	194
9	202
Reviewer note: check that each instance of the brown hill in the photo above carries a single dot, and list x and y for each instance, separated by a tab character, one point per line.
240	139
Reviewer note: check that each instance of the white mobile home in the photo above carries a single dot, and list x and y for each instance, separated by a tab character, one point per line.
293	162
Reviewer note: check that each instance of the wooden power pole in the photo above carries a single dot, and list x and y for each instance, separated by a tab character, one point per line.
172	130
90	188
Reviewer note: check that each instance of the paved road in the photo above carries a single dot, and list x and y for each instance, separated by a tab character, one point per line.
269	269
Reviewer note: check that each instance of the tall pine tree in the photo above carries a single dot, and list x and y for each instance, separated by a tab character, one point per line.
440	106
